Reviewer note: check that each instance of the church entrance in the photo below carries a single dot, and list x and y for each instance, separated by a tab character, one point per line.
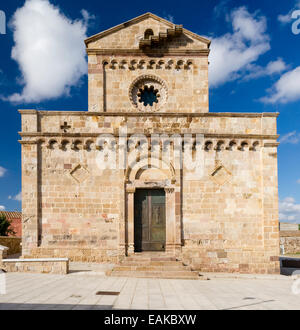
149	220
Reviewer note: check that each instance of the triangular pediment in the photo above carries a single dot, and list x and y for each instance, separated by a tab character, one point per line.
131	35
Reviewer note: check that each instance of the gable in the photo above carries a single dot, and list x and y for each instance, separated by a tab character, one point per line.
130	34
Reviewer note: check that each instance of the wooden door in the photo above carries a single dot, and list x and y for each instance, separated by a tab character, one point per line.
150	220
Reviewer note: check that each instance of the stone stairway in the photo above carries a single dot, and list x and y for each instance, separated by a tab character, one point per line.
153	265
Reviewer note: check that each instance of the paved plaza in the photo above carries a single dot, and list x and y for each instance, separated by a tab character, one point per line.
78	291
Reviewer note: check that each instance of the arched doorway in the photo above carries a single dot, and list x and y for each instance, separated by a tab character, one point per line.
152	207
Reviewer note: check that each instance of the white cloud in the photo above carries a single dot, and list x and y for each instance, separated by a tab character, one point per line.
233	53
291	138
1	77
289	210
272	68
18	197
298	181
169	18
287	18
221	8
2	208
49	49
2	171
286	89
87	16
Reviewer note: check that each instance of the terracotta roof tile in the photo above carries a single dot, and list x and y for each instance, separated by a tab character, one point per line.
11	215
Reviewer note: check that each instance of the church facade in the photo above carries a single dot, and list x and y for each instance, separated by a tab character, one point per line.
148	167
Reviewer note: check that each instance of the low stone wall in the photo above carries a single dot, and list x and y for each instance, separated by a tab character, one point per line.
76	254
40	266
13	244
290	242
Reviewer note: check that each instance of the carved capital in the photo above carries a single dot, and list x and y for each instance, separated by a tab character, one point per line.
169	190
130	190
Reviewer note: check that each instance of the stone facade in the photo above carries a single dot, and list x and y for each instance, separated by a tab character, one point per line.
224	220
290	242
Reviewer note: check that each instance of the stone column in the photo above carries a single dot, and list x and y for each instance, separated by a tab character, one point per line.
30	189
30	198
122	223
178	226
270	207
170	220
130	220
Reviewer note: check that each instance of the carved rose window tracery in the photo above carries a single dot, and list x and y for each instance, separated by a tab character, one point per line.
148	93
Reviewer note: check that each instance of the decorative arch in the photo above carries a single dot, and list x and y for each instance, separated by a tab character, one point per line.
148	33
147	163
169	180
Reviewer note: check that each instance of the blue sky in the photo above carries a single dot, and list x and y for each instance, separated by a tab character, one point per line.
261	72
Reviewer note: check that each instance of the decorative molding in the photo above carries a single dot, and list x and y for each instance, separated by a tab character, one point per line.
80	173
88	142
28	112
151	52
144	64
161	38
272	145
208	136
220	175
169	190
27	142
159	114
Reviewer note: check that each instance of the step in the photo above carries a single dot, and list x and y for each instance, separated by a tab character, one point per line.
150	268
148	259
150	263
187	275
153	254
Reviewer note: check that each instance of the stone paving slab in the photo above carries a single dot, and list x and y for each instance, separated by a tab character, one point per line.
66	292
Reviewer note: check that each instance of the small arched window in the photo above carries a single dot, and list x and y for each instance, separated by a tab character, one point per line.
148	33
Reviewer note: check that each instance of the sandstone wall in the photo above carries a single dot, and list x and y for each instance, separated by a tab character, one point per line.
227	226
49	123
39	266
229	217
185	79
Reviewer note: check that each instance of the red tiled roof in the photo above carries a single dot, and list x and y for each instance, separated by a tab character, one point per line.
16	222
11	215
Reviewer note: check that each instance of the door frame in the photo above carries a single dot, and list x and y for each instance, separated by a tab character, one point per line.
173	216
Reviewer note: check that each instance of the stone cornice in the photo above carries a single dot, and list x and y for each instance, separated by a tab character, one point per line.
146	114
206	135
28	112
27	141
272	145
150	52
